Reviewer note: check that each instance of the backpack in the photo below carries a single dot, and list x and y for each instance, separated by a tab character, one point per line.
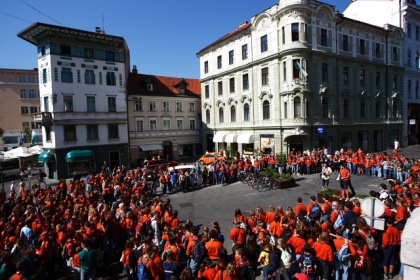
339	222
199	252
273	262
359	263
315	212
307	265
329	211
343	254
370	241
142	270
247	273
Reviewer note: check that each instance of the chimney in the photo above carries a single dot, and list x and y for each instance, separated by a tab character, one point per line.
134	69
98	29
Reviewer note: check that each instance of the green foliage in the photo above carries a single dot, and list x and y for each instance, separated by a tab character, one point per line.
28	131
281	159
361	196
329	191
287	177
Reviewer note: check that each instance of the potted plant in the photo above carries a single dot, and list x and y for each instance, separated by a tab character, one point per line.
280	181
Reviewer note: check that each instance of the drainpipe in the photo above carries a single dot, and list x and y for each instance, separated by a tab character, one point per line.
340	16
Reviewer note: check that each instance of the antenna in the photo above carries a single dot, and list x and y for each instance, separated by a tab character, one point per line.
103	21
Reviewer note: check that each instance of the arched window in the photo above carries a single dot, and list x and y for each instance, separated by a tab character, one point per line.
362	109
346	108
32	94
266	110
246	113
221	115
297	107
233	114
207	116
23	93
325	107
378	109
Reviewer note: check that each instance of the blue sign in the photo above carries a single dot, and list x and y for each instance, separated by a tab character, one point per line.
320	130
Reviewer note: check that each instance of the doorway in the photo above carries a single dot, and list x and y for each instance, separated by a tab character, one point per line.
114	159
296	144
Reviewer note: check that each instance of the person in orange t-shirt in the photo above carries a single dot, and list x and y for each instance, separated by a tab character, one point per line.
324	253
300	207
128	259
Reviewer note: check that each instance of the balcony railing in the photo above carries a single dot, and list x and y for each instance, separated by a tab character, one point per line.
163	133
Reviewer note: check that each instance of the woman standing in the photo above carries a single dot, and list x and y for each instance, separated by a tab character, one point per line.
325	175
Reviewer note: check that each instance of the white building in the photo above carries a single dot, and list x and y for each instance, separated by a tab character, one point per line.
406	15
83	98
300	76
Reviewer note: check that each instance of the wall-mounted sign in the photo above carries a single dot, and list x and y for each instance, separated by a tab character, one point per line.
320	130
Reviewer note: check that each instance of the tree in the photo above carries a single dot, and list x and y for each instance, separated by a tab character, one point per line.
28	132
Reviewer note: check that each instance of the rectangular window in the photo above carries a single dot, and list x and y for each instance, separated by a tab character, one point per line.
323	37
377	50
24	110
206	67
109	56
324	72
192	107
179	106
285	109
296	71
22	79
179	124
32	79
33	94
166	125
394	53
65	50
245	82
264	43
283	35
362	46
220	87
295	31
231	57
345	43
113	131
378	79
362	77
92	132
68	103
138	105
110	79
232	85
153	125
207	91
284	71
417	62
112	104
44	76
91	103
139	125
89	77
219	62
244	52
417	89
89	53
152	106
70	133
409	58
165	105
345	75
33	109
192	124
264	76
409	88
66	75
409	30
394	81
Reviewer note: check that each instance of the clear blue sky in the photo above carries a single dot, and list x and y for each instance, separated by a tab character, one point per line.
163	36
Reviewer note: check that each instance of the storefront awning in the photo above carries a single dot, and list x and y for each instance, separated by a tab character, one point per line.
45	156
150	147
231	138
77	155
246	138
219	138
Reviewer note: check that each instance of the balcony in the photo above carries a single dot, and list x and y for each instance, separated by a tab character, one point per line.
163	133
43	118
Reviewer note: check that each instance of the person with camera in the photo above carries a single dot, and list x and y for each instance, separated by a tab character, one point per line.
325	175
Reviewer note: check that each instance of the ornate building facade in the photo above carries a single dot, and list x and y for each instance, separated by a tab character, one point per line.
300	76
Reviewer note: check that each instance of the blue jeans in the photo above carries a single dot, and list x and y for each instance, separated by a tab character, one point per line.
87	274
337	267
379	171
308	170
267	271
193	265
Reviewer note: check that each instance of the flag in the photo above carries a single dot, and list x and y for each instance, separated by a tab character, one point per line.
33	137
302	71
22	138
39	216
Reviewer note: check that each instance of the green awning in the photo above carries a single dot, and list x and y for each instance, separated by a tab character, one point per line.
46	156
77	155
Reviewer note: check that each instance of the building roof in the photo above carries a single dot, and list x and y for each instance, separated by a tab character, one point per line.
386	10
37	32
162	85
242	27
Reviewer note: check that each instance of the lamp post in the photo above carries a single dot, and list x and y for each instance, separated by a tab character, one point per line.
1	167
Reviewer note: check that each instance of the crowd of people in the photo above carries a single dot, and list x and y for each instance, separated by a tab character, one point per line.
74	229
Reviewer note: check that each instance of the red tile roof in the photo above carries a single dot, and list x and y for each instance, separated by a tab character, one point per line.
162	86
241	28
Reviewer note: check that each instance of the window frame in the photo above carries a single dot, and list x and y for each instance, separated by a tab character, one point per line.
66	75
113	131
266	110
68	103
244	51
111	78
92	132
91	103
324	37
264	43
231	57
112	104
294	28
179	106
265	79
70	130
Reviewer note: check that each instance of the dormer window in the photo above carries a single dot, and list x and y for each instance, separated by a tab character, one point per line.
149	87
182	89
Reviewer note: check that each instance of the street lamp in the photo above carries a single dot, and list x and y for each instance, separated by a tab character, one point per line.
1	167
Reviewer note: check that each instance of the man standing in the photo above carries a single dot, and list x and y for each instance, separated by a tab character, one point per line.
344	182
87	259
396	144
